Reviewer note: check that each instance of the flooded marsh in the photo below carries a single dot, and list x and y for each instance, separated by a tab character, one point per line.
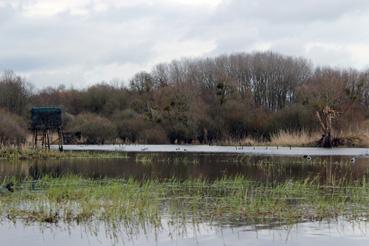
173	197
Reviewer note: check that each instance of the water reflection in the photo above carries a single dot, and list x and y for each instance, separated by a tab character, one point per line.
339	233
329	170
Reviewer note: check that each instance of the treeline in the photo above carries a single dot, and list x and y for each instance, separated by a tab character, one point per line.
200	100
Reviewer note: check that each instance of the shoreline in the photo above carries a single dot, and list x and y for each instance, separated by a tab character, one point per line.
249	150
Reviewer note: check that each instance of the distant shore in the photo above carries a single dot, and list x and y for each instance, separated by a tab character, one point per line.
121	151
249	150
25	153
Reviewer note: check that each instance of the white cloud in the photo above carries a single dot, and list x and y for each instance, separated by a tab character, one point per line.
50	7
166	50
211	3
39	8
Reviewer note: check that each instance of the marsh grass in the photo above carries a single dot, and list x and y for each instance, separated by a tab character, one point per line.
348	138
18	153
248	141
137	204
354	137
173	159
301	138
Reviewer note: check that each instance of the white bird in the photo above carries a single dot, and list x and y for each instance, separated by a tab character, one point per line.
353	160
307	157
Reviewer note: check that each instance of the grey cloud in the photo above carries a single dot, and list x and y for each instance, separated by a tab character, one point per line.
291	10
130	36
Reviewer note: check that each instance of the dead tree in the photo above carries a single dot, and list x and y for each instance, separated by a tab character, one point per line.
325	118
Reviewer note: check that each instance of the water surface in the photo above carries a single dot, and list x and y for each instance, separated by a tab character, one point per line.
337	233
182	166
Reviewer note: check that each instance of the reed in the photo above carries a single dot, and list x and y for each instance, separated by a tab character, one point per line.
16	153
281	138
138	203
301	138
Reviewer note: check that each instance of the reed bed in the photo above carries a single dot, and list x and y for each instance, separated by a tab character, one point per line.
301	138
17	153
137	204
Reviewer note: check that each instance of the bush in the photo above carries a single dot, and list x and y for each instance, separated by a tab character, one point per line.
294	118
129	125
237	119
155	135
94	129
133	127
179	133
12	129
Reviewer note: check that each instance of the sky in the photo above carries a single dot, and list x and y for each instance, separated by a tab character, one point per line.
82	42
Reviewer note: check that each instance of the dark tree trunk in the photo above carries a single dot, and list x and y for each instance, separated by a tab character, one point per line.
326	141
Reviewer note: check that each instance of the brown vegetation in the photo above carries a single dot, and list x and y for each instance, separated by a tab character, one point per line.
259	96
95	129
12	128
300	138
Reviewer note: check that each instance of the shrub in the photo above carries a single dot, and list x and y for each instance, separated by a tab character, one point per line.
94	129
179	132
237	119
155	135
12	129
293	118
129	125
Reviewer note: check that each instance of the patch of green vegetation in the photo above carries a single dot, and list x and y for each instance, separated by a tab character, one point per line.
35	154
139	203
174	159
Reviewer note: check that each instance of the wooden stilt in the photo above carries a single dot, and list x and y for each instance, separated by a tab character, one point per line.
45	122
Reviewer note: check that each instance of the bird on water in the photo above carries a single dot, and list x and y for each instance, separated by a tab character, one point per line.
7	188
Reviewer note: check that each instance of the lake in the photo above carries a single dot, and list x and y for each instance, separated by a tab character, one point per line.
184	166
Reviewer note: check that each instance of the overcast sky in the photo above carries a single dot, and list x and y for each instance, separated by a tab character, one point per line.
81	42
